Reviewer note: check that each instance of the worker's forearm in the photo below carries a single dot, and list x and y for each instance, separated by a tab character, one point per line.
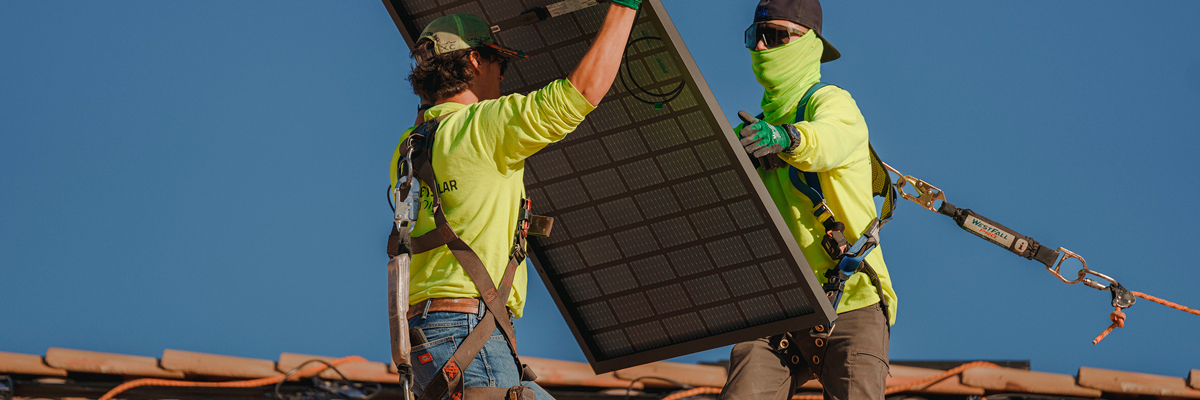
598	68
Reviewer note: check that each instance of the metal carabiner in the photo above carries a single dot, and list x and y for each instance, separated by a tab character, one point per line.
926	194
406	208
1081	276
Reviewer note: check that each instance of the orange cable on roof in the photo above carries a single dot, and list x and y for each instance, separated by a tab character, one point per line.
233	384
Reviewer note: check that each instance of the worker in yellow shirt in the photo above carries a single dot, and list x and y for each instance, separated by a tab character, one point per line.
813	145
467	218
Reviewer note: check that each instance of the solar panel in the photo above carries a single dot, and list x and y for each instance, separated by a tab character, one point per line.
666	242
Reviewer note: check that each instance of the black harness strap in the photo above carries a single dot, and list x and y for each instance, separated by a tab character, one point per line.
450	380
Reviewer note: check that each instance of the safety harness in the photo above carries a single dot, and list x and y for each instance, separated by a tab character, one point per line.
416	163
850	257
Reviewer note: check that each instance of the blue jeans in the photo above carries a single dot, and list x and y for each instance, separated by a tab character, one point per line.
445	331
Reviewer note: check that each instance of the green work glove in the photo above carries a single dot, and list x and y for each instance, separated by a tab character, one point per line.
628	3
762	139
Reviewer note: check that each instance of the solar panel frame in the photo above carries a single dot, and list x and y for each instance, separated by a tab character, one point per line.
656	298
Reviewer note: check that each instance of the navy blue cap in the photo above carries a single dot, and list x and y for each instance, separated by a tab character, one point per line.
803	12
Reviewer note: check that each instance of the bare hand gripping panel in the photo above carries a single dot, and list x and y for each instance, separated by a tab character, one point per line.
666	242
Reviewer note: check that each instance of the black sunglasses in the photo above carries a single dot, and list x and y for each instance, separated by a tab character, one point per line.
772	35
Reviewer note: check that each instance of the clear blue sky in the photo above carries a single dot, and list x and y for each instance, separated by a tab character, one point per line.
207	176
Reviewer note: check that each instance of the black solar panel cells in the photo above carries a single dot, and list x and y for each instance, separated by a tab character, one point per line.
604	184
503	10
640	174
663	134
723	318
696	126
712	155
623	145
712	222
662	66
761	310
583	222
745	214
620	212
691	260
569	56
745	280
762	244
613	344
566	194
778	273
558	30
564	260
615	279
523	38
472	8
609	115
539	69
648	336
587	155
552	164
794	303
679	163
674	232
729	185
682	328
632	307
597	315
668	299
685	100
728	251
636	241
707	289
581	287
652	270
696	193
657	203
598	251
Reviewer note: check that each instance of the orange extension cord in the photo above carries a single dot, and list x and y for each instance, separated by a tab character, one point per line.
890	390
306	372
1118	317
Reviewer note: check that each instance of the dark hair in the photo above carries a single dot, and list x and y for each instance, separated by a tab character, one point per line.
440	76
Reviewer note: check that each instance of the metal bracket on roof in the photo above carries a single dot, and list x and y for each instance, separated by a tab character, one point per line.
538	14
6	387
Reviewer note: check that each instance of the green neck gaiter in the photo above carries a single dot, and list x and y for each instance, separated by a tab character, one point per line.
786	72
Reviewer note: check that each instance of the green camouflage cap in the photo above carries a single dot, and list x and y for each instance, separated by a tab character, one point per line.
463	31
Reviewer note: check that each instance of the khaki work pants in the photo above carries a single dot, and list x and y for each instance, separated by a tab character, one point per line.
854	367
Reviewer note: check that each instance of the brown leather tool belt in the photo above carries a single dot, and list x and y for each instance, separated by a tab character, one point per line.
446	304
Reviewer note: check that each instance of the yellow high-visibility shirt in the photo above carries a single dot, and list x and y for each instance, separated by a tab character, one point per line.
833	144
479	155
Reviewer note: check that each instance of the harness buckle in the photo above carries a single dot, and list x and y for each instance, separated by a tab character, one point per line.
822	209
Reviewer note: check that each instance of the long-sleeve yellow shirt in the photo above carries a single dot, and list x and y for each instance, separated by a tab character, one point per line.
479	155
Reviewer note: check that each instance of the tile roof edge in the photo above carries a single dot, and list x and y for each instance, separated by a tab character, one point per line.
1115	381
28	364
1024	381
215	365
107	363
